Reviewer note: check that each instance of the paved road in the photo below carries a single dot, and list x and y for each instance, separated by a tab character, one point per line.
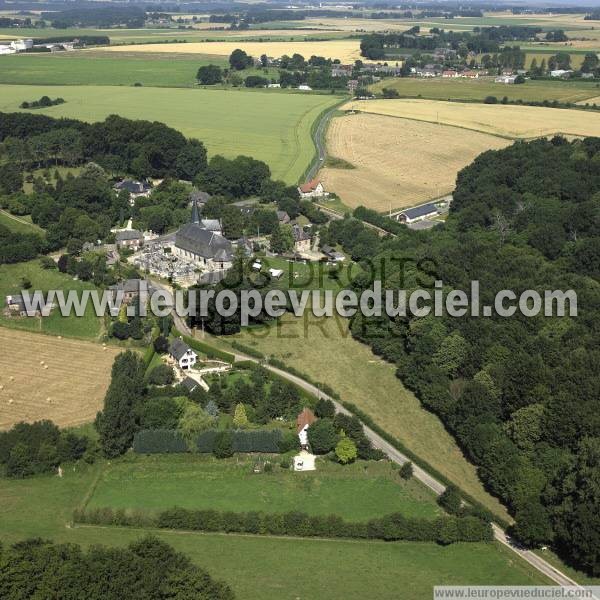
398	457
319	141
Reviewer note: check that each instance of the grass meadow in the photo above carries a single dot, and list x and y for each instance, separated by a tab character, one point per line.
87	68
19	224
268	567
356	492
269	125
323	349
87	327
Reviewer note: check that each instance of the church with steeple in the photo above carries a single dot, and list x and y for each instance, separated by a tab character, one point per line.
200	241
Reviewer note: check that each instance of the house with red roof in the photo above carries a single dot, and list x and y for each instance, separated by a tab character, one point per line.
312	189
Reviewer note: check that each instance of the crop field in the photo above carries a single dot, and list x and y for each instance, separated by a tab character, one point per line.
46	377
355	492
345	50
325	350
269	125
477	89
508	121
398	162
98	68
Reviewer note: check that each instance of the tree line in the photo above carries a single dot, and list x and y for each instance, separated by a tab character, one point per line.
521	395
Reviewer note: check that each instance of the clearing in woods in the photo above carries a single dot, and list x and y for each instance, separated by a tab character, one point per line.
269	125
398	162
45	377
509	121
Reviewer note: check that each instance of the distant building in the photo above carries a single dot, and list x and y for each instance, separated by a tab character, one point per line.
418	213
470	74
561	73
312	189
301	239
332	255
305	88
283	217
129	238
341	70
508	79
303	421
450	74
131	289
183	354
274	85
15	305
22	45
134	187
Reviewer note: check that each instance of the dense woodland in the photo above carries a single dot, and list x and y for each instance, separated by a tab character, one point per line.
521	395
148	569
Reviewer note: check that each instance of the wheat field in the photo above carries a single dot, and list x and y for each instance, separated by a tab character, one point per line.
346	50
510	121
398	162
46	377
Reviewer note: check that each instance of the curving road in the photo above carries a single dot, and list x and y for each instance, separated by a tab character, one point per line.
398	457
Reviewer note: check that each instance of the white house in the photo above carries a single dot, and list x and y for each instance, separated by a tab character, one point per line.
183	354
312	189
305	88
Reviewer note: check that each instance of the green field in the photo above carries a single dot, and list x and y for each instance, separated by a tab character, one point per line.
19	224
89	326
267	568
272	126
96	68
325	351
477	89
355	492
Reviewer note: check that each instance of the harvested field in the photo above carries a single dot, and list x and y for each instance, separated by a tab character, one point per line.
508	121
345	50
68	388
398	162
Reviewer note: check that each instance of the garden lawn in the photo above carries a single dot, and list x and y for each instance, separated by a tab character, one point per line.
355	492
88	326
324	350
268	568
269	125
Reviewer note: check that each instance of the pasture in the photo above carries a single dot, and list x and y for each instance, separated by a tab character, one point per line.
477	89
88	326
346	50
356	492
509	121
47	377
266	568
98	68
324	349
269	125
398	162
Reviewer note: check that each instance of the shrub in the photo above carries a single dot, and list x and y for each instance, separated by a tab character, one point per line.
223	446
161	375
406	470
322	436
324	408
450	500
345	450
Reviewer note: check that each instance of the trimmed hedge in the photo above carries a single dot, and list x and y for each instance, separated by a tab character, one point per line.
394	527
204	348
155	441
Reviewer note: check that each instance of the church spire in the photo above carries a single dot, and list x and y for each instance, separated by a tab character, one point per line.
195	213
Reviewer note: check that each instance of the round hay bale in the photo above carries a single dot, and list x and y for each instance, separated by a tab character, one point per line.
10	400
45	366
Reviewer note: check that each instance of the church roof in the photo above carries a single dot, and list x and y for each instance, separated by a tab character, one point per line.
192	237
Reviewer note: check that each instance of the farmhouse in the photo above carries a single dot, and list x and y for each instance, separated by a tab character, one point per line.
561	73
183	354
301	239
450	74
303	421
131	289
312	189
418	213
208	249
470	74
129	238
332	255
135	188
